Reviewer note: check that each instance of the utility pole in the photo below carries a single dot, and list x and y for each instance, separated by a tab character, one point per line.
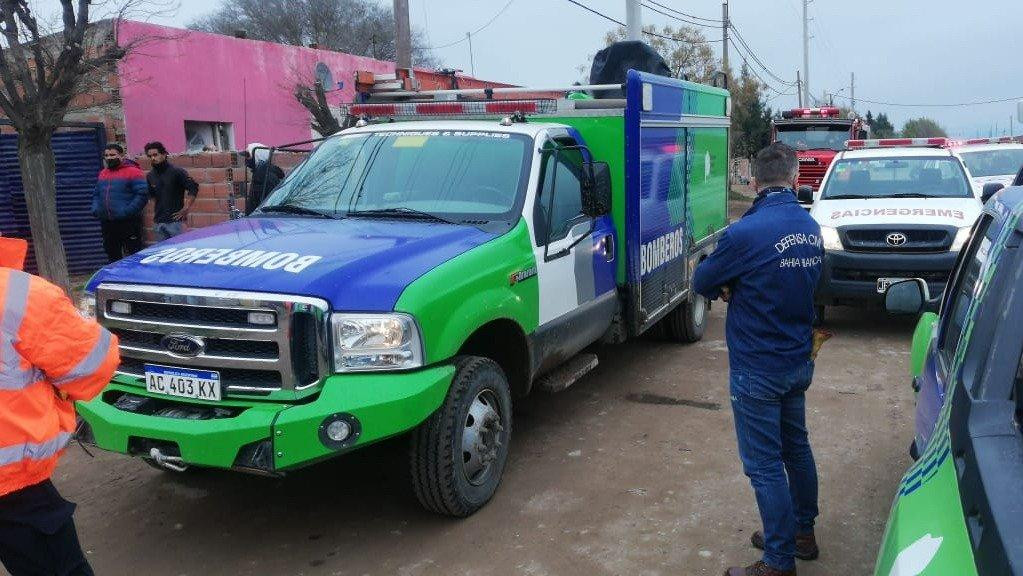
633	20
724	35
852	91
402	34
806	51
472	59
799	89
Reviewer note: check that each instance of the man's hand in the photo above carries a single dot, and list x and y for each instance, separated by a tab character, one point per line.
181	214
726	293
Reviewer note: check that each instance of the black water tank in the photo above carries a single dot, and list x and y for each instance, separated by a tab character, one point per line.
611	65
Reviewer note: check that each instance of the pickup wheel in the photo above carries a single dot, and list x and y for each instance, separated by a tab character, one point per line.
457	455
687	322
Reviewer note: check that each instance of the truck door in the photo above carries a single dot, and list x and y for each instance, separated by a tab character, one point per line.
575	255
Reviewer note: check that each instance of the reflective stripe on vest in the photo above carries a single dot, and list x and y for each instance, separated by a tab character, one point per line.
12	375
91	363
33	450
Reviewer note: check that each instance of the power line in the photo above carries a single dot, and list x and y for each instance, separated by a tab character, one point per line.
716	22
647	32
474	32
941	105
757	74
756	59
679	18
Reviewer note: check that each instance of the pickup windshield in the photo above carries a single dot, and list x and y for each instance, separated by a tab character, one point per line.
451	175
823	137
993	162
903	177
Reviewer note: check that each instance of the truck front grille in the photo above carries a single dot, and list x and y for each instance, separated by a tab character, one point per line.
253	359
917	238
932	276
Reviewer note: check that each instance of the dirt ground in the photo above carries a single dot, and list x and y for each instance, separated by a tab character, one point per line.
633	470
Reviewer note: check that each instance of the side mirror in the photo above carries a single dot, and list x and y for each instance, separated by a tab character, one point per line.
907	297
805	194
990	189
596	189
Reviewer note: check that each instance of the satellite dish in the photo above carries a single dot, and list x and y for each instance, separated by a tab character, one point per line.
323	76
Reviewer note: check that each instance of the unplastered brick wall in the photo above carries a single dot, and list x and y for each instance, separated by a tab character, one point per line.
219	175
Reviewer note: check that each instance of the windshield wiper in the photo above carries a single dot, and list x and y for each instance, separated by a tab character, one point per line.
912	195
296	209
400	212
848	197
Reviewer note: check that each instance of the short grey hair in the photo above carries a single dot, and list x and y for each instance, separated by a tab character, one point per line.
775	164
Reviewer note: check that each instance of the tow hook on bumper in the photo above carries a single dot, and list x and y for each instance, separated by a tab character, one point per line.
174	463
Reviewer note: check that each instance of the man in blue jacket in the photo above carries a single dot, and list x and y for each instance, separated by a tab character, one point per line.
766	267
120	196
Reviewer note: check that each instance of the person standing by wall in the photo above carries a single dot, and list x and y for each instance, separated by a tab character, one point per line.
50	357
118	201
265	175
173	190
766	266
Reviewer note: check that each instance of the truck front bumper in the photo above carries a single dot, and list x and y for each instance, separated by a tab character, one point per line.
851	277
268	437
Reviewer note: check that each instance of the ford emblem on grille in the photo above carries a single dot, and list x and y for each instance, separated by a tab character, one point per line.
896	239
183	345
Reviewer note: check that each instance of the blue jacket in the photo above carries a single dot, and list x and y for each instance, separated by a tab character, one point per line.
771	260
120	193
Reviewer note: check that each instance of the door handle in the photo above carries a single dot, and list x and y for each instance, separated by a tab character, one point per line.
608	244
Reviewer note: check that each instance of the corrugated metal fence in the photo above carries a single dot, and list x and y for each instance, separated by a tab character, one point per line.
78	150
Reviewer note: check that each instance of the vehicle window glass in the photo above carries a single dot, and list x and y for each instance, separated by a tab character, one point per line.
453	174
809	137
561	180
1002	162
894	177
964	290
1017	393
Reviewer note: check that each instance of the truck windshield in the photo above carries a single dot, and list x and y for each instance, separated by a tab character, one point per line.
452	175
906	177
809	137
993	162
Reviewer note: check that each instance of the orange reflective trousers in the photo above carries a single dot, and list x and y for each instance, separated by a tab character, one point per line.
49	357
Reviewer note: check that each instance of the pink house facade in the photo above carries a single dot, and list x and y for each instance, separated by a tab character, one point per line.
192	90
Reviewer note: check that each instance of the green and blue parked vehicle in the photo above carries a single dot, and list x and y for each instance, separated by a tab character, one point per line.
415	274
959	509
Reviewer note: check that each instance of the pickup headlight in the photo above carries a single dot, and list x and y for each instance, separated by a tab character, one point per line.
961	237
368	342
829	236
87	305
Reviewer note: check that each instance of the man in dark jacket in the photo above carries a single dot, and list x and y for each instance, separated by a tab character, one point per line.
172	188
265	175
766	267
118	201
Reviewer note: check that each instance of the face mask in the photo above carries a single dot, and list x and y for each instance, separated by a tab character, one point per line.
112	163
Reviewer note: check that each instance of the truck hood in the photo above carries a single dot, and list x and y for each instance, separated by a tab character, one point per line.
957	212
355	264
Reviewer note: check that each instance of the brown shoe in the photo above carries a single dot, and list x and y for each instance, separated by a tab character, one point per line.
806	545
758	568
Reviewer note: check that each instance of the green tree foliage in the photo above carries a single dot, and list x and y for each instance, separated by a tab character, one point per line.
751	117
922	128
880	126
686	52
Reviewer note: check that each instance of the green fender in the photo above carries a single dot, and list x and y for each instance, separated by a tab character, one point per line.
921	342
496	280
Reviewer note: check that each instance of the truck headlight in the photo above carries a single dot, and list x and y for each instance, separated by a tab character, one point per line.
961	237
367	342
87	305
831	240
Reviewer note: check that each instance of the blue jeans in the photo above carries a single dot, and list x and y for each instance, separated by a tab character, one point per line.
770	424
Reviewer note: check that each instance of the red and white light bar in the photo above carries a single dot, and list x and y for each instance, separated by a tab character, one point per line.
472	107
824	112
1002	140
900	142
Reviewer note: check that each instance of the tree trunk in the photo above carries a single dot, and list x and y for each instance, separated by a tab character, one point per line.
39	180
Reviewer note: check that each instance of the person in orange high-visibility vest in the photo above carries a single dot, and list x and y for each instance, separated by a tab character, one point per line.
50	356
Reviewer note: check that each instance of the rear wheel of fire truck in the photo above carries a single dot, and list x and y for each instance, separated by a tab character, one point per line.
457	455
687	322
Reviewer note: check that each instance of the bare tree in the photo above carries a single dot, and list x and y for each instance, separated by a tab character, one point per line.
360	27
314	99
40	73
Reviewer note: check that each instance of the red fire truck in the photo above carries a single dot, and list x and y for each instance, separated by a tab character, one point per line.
817	134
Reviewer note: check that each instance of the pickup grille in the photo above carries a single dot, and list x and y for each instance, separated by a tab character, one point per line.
288	354
917	239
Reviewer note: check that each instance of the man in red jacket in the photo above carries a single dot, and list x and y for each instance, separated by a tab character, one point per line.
120	196
50	357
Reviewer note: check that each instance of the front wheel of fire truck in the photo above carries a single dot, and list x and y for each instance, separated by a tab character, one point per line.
457	455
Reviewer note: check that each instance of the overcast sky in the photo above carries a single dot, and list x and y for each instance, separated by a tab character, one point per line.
902	51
